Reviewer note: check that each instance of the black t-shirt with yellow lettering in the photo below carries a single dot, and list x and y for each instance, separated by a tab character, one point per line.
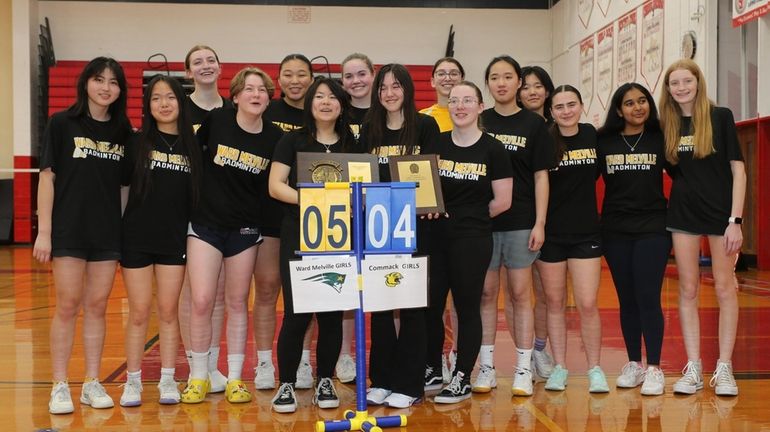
235	172
284	115
87	157
702	189
525	136
198	114
572	201
427	139
466	180
157	221
634	205
357	116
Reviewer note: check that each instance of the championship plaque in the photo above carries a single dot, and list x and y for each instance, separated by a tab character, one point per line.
337	167
423	169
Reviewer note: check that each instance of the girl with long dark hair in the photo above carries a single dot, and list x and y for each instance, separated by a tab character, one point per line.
79	208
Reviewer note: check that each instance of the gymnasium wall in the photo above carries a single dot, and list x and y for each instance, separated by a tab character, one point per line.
6	88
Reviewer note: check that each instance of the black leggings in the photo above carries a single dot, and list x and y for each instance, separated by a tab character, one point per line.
459	265
637	267
397	362
294	325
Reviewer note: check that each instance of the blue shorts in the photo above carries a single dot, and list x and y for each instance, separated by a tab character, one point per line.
228	242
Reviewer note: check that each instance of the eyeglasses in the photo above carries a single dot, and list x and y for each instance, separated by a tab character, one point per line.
466	101
441	74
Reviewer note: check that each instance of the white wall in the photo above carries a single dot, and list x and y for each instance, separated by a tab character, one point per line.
679	17
243	33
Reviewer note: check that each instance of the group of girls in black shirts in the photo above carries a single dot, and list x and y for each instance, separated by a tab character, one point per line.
219	193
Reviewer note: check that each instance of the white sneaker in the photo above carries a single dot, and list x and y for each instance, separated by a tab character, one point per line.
486	380
400	400
692	378
377	395
168	391
132	393
654	382
217	382
304	376
542	365
723	380
264	376
93	394
61	400
446	376
345	369
632	375
522	382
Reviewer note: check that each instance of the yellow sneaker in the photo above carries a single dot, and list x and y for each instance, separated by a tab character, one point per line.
195	392
236	392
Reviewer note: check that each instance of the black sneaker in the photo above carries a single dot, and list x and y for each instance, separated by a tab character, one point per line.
433	380
285	401
325	394
458	390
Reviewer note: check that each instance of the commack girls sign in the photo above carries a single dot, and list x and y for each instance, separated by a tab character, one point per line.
394	282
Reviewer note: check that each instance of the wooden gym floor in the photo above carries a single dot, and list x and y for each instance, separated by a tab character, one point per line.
27	303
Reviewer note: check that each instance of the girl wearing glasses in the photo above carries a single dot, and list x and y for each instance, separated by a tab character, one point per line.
476	178
447	72
518	233
392	128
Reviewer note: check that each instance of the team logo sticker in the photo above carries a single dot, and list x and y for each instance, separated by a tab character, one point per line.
334	280
393	278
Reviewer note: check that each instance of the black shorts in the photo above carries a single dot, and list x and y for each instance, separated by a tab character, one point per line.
270	232
228	242
134	259
558	248
87	254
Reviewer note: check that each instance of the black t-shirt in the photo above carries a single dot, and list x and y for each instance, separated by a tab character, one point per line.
634	204
87	157
427	140
284	115
198	114
466	181
525	136
572	199
235	171
702	190
157	222
357	116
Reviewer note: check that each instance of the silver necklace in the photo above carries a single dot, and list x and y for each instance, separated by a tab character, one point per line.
327	146
632	147
170	146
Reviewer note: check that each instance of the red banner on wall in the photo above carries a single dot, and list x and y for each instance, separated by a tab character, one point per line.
748	10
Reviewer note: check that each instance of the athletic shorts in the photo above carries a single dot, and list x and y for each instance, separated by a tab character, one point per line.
87	254
270	232
133	259
510	249
562	247
680	231
228	242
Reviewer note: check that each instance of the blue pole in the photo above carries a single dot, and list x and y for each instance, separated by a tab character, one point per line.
358	247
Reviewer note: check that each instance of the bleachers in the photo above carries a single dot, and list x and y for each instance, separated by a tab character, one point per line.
63	79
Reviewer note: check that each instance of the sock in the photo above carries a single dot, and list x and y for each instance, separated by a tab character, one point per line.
213	359
265	356
199	368
234	366
524	358
540	344
134	376
188	354
167	374
487	355
305	356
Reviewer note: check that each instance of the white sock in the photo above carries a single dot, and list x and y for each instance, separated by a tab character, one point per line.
134	376
199	368
487	355
188	354
213	359
234	366
524	359
265	356
167	374
305	356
